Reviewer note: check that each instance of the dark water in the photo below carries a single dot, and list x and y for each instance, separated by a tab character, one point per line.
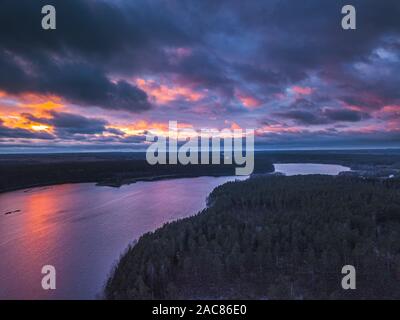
82	229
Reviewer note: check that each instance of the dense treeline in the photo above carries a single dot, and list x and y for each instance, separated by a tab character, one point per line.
118	168
272	238
356	159
108	169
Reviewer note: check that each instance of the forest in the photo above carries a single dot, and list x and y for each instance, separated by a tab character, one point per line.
110	169
19	171
272	237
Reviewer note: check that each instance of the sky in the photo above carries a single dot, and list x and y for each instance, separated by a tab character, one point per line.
115	70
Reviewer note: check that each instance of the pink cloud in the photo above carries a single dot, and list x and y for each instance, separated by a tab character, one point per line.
302	90
247	100
233	125
372	128
391	109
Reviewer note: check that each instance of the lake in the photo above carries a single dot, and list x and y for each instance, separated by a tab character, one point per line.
291	169
81	229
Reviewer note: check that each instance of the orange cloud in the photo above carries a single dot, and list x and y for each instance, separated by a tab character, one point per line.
40	104
21	122
247	100
141	126
163	94
233	125
162	129
11	114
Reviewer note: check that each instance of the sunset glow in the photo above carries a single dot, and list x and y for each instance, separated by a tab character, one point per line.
205	71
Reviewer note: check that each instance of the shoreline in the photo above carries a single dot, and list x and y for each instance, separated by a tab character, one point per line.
372	172
238	217
113	184
29	171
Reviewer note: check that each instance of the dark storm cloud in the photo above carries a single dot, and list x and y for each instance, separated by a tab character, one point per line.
319	117
79	83
204	69
70	124
301	103
85	85
327	139
265	76
18	133
345	115
73	61
97	38
302	117
115	131
309	34
95	28
300	38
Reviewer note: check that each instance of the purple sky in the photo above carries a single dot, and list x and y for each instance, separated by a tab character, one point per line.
114	70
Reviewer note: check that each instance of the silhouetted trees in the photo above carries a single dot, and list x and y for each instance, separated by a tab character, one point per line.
107	170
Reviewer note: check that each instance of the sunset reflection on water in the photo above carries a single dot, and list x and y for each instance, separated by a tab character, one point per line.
82	229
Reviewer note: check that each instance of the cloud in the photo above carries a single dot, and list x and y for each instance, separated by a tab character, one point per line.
163	93
18	133
76	82
325	116
302	117
327	139
70	61
115	131
288	60
345	115
76	124
66	124
302	90
214	46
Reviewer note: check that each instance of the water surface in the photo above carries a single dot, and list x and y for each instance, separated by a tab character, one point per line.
291	169
81	229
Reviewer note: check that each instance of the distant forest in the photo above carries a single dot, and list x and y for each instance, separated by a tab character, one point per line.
273	237
19	171
111	169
